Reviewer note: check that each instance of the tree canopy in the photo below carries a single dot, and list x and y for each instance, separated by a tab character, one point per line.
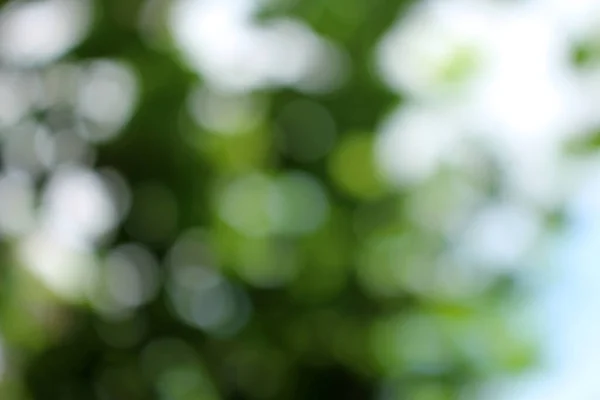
206	199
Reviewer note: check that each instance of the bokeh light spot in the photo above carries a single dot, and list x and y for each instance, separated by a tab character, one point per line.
131	278
78	207
299	205
33	33
352	166
202	298
225	113
17	202
246	205
307	131
107	97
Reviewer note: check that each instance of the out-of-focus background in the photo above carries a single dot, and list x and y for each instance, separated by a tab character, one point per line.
299	199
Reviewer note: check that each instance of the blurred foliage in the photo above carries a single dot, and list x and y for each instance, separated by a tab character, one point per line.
284	267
